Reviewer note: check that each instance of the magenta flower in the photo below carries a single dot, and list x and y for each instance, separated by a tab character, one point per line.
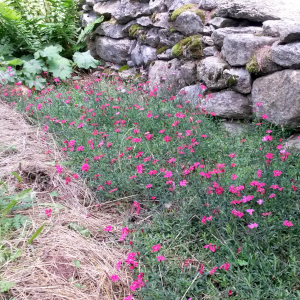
288	223
253	225
148	186
277	173
85	167
156	248
234	177
160	258
183	183
114	278
250	211
108	228
260	201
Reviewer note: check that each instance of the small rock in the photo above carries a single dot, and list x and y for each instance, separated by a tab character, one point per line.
210	51
208	40
161	20
151	38
208	30
238	79
88	18
273	27
166	55
168	38
190	93
144	21
86	7
219	22
188	23
208	4
112	30
210	70
179	3
291	33
237	128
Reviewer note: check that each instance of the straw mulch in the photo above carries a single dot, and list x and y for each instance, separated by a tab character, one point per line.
46	269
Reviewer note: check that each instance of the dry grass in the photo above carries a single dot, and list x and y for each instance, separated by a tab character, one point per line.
44	268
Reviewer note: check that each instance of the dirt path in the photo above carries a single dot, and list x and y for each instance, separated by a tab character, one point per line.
46	269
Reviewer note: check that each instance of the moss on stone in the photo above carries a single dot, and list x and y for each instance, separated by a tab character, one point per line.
124	68
172	29
190	46
134	30
161	50
188	7
232	80
252	66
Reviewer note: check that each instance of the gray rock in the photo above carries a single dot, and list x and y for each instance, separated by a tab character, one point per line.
161	20
273	27
210	70
168	38
188	72
88	18
190	93
151	38
237	128
292	143
91	2
166	55
129	10
107	9
239	48
208	4
112	50
208	41
238	79
171	73
228	104
219	22
244	9
219	35
210	51
144	21
259	10
112	30
86	7
208	30
279	94
188	23
128	74
158	6
178	3
291	33
286	55
91	45
130	64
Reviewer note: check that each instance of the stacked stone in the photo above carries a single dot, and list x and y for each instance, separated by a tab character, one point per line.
242	51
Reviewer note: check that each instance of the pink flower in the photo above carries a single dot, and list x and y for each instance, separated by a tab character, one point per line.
213	270
118	266
269	155
211	247
266	214
259	172
201	269
108	228
288	223
80	125
160	258
148	186
253	225
225	266
167	139
183	183
152	172
130	297
264	116
258	103
231	155
237	213
85	167
234	177
114	278
277	173
272	195
48	212
156	248
260	201
162	131
250	211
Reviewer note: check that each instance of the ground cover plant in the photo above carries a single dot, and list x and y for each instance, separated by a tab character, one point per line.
212	216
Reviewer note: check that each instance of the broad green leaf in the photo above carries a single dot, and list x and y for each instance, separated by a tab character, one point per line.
17	176
33	67
85	60
35	234
53	194
23	193
60	67
80	229
5	286
15	62
38	83
50	52
27	57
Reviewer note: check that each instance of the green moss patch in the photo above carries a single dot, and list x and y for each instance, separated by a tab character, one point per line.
124	68
188	7
134	30
161	50
252	66
189	47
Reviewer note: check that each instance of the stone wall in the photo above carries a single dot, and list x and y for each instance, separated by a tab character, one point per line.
246	52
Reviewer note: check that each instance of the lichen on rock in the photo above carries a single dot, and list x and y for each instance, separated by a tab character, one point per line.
190	47
188	7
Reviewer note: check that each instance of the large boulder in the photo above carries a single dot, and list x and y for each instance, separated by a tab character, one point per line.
158	6
229	105
112	30
238	79
116	51
151	38
161	20
287	56
279	94
210	71
189	23
179	3
258	10
130	10
291	33
219	35
274	27
239	48
107	8
208	4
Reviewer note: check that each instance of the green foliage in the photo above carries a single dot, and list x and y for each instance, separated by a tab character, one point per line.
134	30
252	66
161	49
36	234
188	7
124	68
85	60
88	29
5	286
80	229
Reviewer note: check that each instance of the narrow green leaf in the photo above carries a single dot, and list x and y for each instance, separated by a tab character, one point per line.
17	176
35	234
